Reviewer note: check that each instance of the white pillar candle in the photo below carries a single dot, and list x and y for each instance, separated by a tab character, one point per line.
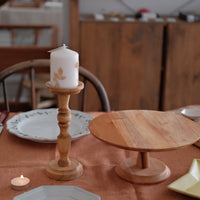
20	183
64	68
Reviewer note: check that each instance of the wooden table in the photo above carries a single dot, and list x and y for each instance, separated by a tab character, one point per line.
145	131
19	156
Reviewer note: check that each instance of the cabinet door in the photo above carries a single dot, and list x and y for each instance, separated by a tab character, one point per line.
182	72
126	57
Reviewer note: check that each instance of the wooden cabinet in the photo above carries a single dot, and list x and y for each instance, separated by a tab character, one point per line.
140	66
127	58
182	70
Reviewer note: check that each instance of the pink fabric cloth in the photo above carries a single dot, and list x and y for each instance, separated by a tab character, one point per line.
19	156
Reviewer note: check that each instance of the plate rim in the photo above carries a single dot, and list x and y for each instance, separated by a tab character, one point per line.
12	128
27	194
190	116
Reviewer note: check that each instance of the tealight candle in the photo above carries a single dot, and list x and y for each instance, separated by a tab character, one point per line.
64	68
20	183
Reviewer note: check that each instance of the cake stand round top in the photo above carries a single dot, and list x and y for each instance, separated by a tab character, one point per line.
145	130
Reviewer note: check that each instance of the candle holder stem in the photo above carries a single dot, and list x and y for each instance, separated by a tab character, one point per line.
64	168
64	139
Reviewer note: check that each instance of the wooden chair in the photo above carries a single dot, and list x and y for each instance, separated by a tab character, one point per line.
28	35
12	51
33	67
33	4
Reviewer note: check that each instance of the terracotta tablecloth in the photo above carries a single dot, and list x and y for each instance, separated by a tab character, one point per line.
19	156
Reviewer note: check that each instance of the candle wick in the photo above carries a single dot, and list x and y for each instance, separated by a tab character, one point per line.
64	46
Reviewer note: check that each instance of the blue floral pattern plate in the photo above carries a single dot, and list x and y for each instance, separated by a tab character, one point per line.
42	125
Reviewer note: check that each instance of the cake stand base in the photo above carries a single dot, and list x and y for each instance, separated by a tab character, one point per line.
155	173
70	172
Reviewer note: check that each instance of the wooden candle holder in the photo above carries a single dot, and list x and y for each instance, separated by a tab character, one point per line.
64	168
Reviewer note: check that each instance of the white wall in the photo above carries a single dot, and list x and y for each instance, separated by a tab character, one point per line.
162	7
65	22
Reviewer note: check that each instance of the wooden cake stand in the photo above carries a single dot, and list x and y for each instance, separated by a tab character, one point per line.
144	131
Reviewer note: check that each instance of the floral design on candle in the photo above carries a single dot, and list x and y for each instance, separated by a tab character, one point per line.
77	65
58	76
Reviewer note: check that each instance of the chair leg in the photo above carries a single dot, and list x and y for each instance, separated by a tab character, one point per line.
33	96
5	96
19	91
84	96
37	97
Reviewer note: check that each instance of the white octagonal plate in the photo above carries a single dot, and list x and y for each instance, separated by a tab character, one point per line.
57	192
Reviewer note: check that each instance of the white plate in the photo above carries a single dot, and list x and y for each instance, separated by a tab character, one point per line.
191	113
41	125
57	192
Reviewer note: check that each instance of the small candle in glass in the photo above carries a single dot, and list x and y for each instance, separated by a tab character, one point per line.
64	68
20	183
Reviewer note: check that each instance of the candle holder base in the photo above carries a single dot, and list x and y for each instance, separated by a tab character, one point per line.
72	171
